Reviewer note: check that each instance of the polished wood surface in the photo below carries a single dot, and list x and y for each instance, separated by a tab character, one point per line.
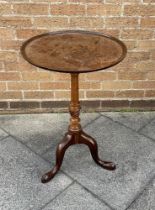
74	107
73	51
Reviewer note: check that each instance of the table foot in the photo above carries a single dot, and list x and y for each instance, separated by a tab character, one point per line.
49	175
92	144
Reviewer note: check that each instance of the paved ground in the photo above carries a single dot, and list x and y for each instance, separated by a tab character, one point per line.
27	150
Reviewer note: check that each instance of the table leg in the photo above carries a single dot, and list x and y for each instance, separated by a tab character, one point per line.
61	148
75	135
92	144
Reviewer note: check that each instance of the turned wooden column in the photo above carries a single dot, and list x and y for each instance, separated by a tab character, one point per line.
74	107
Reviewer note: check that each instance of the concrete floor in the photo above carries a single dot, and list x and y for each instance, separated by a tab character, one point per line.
27	150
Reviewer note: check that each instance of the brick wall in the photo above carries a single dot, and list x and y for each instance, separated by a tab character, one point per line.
129	84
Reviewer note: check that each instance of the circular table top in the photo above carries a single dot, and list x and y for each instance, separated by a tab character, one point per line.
73	51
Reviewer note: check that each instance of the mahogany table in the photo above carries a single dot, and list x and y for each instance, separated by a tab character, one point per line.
74	52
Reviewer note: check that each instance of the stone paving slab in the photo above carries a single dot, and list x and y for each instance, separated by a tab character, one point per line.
134	154
76	198
40	131
3	134
146	200
149	130
134	120
33	130
20	172
123	189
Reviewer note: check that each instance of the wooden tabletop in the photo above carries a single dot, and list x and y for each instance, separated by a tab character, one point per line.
73	51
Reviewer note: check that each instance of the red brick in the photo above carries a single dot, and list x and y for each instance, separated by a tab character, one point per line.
24	105
6	33
136	10
86	22
54	85
146	45
30	9
62	94
1	66
138	34
86	1
23	65
50	1
131	45
49	22
8	56
131	1
38	95
103	9
110	32
99	94
151	75
37	76
116	85
9	76
150	93
22	85
67	9
2	86
66	94
130	94
149	1
113	1
148	22
10	95
131	75
145	66
89	85
124	22
144	85
61	77
10	44
153	54
19	66
28	33
135	57
5	9
16	22
82	77
99	76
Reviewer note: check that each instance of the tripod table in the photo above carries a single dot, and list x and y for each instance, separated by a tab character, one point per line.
74	52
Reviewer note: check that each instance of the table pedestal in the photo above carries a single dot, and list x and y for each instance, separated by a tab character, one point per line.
75	135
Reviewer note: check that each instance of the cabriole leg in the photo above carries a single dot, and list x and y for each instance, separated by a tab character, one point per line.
91	143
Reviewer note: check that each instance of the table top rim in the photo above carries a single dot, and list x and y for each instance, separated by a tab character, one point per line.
124	48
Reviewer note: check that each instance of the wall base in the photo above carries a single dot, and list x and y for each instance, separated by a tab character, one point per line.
86	106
